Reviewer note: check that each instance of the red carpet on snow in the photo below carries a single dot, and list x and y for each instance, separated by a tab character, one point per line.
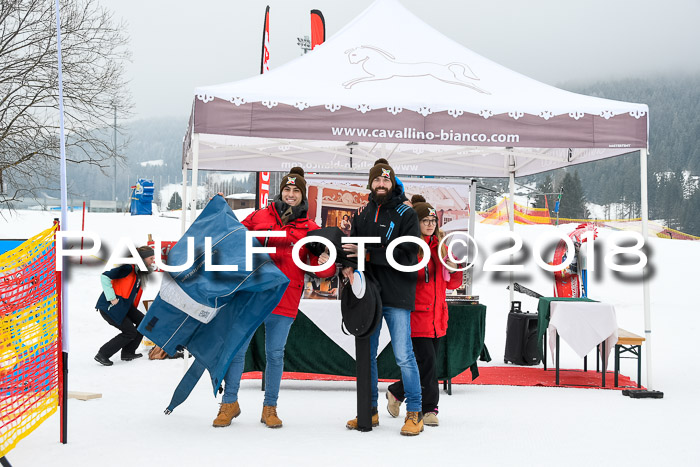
502	376
537	376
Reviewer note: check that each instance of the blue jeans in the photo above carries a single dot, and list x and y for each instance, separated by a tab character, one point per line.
276	332
398	320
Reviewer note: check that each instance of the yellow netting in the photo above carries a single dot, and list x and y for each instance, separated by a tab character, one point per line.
28	338
498	215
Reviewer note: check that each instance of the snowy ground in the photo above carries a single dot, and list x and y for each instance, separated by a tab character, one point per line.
480	425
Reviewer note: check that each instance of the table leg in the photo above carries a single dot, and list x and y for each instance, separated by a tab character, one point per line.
544	350
639	366
617	364
556	345
604	362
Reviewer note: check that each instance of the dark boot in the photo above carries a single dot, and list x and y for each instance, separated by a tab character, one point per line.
99	358
127	357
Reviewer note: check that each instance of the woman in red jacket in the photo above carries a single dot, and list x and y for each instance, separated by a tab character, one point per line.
429	318
288	213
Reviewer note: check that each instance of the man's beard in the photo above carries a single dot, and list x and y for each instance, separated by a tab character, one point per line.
382	198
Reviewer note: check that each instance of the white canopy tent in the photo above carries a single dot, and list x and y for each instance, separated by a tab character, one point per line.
388	85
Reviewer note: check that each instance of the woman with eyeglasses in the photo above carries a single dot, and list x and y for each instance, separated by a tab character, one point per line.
429	318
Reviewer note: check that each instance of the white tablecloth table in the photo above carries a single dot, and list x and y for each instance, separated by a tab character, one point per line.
583	325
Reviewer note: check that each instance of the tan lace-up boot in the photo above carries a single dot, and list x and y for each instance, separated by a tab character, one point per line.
352	424
430	419
269	417
413	424
227	412
393	405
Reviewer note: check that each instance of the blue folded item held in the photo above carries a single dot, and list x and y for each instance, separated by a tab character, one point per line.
212	313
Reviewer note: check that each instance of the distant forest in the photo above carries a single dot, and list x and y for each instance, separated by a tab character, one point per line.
674	159
673	162
674	152
153	151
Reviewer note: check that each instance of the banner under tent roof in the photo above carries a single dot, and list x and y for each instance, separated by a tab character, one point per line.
388	85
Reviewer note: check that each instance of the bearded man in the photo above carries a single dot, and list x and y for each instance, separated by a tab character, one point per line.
386	216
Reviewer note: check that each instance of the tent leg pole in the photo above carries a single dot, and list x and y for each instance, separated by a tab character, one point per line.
319	209
195	173
472	227
183	198
650	392
645	276
193	216
511	224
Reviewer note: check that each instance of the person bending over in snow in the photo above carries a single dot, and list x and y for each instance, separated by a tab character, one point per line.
122	288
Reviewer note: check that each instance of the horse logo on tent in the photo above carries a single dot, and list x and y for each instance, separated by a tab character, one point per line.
381	65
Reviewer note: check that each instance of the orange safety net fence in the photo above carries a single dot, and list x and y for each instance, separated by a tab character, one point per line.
498	215
28	338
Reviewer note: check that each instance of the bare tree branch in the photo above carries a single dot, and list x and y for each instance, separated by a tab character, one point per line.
94	52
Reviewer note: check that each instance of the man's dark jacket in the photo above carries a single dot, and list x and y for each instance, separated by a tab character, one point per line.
389	221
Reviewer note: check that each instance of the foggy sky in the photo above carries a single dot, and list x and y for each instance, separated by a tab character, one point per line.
177	46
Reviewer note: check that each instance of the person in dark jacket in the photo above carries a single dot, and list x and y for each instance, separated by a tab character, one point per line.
386	216
122	288
429	317
288	213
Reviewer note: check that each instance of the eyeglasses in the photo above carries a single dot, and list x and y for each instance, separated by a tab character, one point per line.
429	222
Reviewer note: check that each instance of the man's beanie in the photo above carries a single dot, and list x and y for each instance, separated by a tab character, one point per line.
381	169
295	177
422	208
145	251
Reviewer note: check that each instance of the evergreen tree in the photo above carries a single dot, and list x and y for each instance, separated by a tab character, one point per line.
573	201
486	193
669	198
175	202
690	220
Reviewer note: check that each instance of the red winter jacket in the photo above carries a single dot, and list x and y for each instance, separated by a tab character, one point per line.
429	318
268	219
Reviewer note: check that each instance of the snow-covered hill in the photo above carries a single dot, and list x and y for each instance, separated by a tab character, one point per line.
479	425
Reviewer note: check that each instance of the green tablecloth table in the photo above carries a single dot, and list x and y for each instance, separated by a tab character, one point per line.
309	350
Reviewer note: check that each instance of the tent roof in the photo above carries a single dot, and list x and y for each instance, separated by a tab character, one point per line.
400	89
